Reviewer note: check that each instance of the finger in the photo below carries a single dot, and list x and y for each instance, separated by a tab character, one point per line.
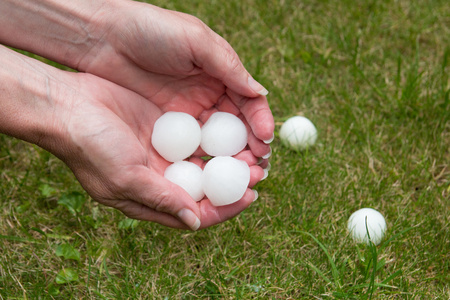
264	163
139	211
226	105
256	175
217	58
258	147
257	113
212	215
157	193
257	172
247	156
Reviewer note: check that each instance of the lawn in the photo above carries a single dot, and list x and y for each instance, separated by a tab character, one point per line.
373	76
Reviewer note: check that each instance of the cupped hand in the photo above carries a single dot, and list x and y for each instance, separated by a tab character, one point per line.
177	62
108	147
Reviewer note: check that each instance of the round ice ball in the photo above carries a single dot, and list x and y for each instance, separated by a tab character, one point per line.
187	175
223	134
298	133
176	135
225	180
376	225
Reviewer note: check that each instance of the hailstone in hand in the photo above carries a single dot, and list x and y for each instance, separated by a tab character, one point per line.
376	226
225	180
188	176
298	133
223	134
176	135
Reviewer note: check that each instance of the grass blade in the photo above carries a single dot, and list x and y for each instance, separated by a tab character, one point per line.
334	270
390	278
385	243
17	239
318	271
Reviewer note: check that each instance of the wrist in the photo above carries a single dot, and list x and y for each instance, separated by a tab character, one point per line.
63	31
30	105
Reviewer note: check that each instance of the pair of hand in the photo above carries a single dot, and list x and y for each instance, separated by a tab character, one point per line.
146	61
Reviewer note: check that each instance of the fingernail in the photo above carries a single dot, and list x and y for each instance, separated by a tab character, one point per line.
260	161
269	140
257	87
266	174
268	167
256	195
268	154
189	218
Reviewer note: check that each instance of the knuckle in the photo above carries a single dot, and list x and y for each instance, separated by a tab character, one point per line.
162	202
121	185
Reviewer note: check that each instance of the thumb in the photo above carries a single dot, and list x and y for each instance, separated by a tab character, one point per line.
159	194
218	59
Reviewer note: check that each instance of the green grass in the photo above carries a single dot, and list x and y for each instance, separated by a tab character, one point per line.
374	78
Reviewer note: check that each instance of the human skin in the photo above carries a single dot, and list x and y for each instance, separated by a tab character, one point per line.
102	131
172	58
136	61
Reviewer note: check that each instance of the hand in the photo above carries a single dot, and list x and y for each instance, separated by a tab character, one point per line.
177	62
108	148
171	58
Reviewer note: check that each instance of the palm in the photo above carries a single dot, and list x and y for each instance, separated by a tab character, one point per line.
200	95
113	127
118	165
194	94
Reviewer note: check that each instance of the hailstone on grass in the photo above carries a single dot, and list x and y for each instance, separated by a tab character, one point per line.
367	220
225	180
188	176
223	134
176	136
298	133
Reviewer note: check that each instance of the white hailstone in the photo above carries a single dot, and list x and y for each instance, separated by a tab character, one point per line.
298	133
176	135
188	176
376	226
225	180
223	134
